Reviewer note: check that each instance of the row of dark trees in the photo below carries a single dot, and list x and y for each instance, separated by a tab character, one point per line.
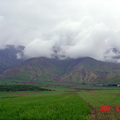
22	88
107	85
111	85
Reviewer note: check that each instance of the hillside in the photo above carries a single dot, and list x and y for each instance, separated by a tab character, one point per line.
81	70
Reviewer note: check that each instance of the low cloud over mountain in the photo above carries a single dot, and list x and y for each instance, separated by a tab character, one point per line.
63	28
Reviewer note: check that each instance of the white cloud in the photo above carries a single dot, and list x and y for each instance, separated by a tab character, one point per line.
1	19
39	47
76	28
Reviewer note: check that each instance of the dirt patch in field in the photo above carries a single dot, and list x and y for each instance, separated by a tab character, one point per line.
20	94
89	90
31	82
71	92
63	85
94	113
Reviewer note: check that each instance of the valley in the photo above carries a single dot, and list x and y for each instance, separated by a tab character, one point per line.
50	89
64	103
59	60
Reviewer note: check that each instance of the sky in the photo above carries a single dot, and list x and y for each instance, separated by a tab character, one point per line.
63	28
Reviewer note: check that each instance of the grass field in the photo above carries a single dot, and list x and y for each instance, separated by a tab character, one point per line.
47	107
60	105
95	99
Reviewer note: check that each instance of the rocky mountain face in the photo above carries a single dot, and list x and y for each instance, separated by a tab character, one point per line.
81	70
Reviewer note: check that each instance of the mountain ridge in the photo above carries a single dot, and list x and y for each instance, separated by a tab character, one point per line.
82	70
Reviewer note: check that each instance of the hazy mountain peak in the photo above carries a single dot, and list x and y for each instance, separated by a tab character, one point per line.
9	56
112	55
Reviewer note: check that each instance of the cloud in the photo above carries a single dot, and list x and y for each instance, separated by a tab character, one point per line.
1	19
65	28
39	47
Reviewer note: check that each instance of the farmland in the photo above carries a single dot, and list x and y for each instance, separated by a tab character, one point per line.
43	107
95	99
82	103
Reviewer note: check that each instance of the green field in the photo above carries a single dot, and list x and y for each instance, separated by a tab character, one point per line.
47	107
95	99
58	105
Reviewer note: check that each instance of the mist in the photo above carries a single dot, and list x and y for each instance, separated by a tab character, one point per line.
66	28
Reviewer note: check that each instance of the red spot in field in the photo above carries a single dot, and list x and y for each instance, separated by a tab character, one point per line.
117	108
104	108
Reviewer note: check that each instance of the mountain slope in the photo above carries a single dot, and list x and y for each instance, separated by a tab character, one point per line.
93	71
82	70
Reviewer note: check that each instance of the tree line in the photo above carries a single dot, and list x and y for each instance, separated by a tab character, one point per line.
22	88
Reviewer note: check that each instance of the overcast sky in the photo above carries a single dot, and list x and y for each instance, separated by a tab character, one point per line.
70	28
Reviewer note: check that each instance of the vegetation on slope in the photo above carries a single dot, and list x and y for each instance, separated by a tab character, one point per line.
80	70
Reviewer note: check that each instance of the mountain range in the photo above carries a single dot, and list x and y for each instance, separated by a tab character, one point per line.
81	70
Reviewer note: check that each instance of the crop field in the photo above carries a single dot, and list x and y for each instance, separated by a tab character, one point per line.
44	107
95	99
61	104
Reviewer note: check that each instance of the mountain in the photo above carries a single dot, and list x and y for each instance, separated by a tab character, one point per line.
81	70
112	55
8	57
